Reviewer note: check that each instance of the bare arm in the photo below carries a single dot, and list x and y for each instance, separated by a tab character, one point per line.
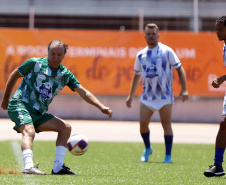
91	99
182	76
13	77
135	83
217	82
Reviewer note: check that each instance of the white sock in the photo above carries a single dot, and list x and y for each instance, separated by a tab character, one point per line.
59	158
28	158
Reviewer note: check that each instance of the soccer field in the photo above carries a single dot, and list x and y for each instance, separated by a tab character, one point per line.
112	163
116	160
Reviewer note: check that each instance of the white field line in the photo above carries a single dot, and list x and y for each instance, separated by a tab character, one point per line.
28	179
17	152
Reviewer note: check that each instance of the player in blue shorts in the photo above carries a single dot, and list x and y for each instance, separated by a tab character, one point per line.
43	79
220	144
154	66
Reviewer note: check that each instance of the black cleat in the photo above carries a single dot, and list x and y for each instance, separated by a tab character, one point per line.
214	171
64	171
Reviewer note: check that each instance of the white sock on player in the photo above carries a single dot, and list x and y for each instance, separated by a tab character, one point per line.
28	158
59	158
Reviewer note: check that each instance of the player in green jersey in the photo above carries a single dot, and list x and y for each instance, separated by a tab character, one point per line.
43	79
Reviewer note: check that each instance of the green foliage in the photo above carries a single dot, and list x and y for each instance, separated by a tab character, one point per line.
113	163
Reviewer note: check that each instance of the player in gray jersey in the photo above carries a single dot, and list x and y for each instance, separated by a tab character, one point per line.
154	66
43	79
220	144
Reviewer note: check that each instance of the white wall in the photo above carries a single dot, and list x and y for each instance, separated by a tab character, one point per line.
202	110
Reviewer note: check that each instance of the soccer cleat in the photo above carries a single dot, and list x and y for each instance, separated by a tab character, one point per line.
168	159
64	171
33	171
214	170
146	153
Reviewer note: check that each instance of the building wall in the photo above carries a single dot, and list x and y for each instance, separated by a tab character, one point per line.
178	8
201	110
111	14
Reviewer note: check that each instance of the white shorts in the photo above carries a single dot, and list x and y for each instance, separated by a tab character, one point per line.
224	106
156	104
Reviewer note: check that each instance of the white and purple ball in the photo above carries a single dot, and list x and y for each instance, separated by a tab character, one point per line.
77	144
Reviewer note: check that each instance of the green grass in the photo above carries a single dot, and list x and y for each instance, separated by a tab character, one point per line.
114	163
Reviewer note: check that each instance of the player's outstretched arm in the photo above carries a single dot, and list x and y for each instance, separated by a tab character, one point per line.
217	82
91	99
182	76
13	77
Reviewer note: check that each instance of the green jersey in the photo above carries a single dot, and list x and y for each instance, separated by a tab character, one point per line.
41	83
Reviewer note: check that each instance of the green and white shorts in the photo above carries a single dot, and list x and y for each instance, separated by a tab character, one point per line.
22	113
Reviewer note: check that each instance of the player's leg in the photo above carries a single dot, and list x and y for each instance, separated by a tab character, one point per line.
217	169
28	134
57	125
21	115
165	117
64	131
145	116
220	142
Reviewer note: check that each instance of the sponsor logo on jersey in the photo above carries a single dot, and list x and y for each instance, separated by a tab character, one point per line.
151	71
46	90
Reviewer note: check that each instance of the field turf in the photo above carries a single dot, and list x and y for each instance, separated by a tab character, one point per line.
112	163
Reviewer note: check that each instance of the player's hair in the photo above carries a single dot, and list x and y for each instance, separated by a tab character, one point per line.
152	25
58	42
222	20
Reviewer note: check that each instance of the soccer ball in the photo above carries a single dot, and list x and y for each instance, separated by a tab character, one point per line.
77	144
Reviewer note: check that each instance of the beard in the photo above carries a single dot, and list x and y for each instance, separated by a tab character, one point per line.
152	43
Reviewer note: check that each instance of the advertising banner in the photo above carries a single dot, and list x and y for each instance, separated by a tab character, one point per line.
103	61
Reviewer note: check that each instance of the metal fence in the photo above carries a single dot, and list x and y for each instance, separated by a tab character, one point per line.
178	15
103	23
